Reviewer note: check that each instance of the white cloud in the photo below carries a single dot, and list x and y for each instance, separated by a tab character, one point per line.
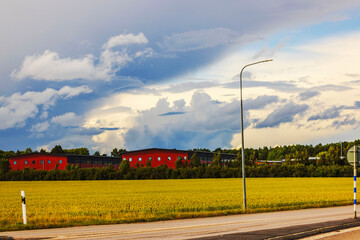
67	120
49	66
69	92
125	39
204	122
108	140
16	109
148	52
40	127
70	141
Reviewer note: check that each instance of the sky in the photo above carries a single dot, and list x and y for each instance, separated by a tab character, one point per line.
165	74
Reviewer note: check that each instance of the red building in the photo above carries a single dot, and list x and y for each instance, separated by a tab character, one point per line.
49	161
38	161
157	156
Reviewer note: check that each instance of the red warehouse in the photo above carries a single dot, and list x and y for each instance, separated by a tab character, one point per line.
157	156
49	161
38	161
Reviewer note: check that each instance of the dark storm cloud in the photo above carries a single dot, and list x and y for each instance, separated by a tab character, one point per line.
347	121
308	94
260	102
171	113
283	114
331	87
278	85
330	113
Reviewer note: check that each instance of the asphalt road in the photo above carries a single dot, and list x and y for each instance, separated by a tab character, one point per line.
227	227
345	234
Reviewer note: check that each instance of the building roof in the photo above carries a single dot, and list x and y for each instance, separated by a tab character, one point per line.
36	153
155	149
61	155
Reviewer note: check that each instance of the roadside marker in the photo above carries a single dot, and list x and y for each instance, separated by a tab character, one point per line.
354	150
23	206
355	181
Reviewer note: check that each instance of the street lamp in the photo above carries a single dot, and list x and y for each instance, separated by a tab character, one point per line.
242	130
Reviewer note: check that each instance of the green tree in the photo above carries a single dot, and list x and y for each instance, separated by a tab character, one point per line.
218	149
57	150
216	160
77	151
201	150
4	165
28	150
148	163
194	161
252	158
304	157
117	152
288	159
263	155
124	167
333	155
178	164
97	153
323	158
237	161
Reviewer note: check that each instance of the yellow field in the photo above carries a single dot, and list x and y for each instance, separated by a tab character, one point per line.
69	203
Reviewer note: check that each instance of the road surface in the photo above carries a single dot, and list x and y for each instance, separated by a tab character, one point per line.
207	228
345	234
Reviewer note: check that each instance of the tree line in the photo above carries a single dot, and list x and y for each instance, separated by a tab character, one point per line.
329	153
296	164
125	172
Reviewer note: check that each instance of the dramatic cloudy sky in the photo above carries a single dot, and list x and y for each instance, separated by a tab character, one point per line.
158	73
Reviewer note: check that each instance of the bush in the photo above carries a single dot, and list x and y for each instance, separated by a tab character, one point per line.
163	172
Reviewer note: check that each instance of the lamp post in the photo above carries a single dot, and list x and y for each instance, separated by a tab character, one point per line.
242	130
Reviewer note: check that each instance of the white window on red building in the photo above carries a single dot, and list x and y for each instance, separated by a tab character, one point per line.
169	158
185	158
140	159
159	158
130	159
25	162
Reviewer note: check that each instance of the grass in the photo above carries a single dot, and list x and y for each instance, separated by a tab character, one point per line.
71	203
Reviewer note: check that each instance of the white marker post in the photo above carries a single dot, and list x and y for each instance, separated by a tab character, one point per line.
355	154
353	160
23	206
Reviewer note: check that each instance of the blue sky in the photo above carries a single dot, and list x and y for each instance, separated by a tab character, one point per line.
140	74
